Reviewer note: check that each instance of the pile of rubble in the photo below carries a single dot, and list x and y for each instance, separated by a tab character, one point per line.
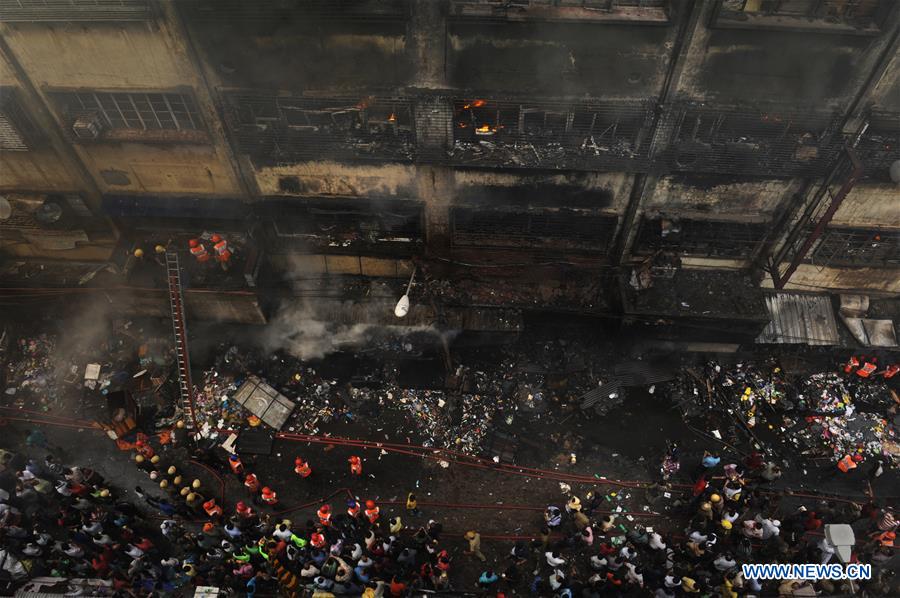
825	414
30	380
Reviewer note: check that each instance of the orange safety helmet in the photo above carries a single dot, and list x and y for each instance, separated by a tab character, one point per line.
215	238
266	490
193	243
209	504
370	504
298	461
208	527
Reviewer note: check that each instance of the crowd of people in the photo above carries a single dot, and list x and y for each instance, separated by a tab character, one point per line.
67	521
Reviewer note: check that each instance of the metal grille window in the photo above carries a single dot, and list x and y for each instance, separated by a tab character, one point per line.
277	129
857	247
706	238
562	229
751	140
17	133
141	111
13	11
544	134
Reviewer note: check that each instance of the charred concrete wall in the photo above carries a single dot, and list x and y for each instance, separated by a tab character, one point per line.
514	133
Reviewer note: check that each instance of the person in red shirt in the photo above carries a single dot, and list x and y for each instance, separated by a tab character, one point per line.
398	588
355	465
302	468
251	482
324	514
812	522
700	486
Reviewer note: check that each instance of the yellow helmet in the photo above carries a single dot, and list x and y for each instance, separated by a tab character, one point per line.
154	459
171	470
195	484
104	493
185	491
139	458
177	481
138	252
179	424
164	484
159	249
191	497
715	498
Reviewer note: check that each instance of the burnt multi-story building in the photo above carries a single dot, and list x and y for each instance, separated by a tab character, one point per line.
530	154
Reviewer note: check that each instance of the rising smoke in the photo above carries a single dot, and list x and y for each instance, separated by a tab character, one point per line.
318	320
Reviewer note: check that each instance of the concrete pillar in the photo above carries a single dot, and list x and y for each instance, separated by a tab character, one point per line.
435	187
428	43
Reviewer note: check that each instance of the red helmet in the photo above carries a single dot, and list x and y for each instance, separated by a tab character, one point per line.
325	508
193	243
370	504
354	459
209	504
241	506
139	444
298	461
208	527
266	490
215	238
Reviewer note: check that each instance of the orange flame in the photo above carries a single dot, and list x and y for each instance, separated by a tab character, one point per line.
484	129
392	117
475	104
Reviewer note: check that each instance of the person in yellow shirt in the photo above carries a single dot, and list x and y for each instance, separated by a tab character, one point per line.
412	505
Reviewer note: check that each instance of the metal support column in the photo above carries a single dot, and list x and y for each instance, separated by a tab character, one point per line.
819	212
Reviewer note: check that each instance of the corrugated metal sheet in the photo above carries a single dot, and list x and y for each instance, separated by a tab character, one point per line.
800	319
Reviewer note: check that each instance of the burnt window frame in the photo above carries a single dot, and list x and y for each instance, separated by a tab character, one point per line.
587	135
758	140
310	215
279	128
534	226
747	244
843	246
